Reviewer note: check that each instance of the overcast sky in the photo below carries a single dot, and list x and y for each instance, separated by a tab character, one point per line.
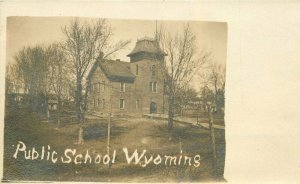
29	31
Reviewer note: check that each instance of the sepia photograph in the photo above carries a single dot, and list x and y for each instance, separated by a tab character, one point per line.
149	91
114	100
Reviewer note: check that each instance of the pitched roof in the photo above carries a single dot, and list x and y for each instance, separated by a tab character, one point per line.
147	45
114	70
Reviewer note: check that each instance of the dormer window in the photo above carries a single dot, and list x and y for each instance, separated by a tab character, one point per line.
122	87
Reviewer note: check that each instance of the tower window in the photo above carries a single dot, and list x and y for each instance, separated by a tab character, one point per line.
122	103
153	70
153	86
150	86
122	87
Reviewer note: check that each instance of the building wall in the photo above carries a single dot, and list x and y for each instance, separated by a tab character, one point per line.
141	84
96	95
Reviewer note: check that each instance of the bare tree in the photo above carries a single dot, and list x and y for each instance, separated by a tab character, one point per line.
13	86
59	75
11	79
83	44
184	98
183	62
32	68
217	80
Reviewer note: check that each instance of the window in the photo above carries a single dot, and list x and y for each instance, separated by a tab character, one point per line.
98	102
153	70
122	103
122	87
91	87
98	87
137	69
95	87
150	86
137	104
103	86
153	86
102	104
95	103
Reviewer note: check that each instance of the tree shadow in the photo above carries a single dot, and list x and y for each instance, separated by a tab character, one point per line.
99	130
180	131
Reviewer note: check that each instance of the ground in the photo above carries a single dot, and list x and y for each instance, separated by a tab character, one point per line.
133	133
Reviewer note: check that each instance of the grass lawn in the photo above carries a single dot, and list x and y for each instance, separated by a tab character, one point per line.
132	133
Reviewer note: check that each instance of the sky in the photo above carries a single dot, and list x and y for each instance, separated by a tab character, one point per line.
29	31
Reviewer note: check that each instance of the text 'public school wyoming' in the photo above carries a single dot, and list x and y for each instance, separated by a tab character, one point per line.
131	157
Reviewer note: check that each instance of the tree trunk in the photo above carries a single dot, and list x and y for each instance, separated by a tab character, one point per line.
171	113
48	113
58	111
47	110
80	137
79	109
79	99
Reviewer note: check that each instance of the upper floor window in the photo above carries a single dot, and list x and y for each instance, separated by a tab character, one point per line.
103	86
91	87
153	68
97	87
153	86
122	104
122	87
137	69
150	86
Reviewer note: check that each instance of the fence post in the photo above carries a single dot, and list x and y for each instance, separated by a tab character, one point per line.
212	140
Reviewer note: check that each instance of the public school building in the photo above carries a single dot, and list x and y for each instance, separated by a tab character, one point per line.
135	87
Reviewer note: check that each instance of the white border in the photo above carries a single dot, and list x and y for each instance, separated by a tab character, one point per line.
262	86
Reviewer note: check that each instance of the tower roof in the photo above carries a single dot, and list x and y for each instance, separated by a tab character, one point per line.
147	45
